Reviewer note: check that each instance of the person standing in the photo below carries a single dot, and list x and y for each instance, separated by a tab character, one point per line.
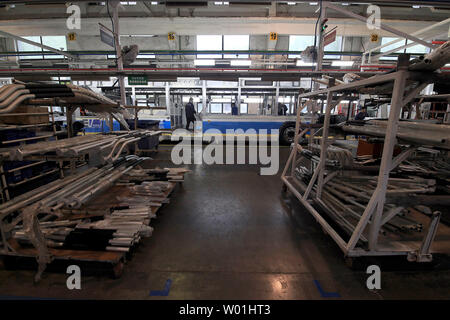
234	109
190	114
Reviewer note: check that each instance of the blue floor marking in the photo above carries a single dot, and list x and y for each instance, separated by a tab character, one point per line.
162	293
326	294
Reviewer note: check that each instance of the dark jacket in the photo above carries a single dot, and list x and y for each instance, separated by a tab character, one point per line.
234	110
190	111
282	108
361	115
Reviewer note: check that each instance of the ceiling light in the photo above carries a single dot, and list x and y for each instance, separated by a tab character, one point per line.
301	63
241	63
154	3
291	3
416	7
198	62
313	3
138	35
251	78
341	63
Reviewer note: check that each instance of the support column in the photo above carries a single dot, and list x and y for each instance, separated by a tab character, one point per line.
238	102
277	95
204	103
168	98
386	161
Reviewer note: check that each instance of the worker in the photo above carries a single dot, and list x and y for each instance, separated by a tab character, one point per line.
190	114
361	114
234	109
282	109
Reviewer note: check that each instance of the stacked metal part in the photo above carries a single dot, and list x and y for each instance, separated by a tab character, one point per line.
44	94
345	196
70	192
437	135
109	147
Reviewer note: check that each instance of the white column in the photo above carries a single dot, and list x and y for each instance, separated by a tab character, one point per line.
204	103
168	98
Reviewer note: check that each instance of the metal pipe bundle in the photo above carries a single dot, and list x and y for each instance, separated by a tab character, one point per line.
438	135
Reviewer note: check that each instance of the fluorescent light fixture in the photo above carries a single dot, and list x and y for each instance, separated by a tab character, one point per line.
301	63
138	35
345	3
199	62
187	78
221	3
313	3
236	63
154	3
249	78
290	3
341	63
416	7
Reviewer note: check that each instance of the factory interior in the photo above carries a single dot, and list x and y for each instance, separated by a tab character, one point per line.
225	150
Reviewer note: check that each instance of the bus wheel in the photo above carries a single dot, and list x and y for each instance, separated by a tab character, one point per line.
287	133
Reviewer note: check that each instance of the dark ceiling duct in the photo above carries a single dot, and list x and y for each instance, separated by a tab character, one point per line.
186	4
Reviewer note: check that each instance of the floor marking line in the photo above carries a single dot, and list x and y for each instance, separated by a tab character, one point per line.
324	294
164	292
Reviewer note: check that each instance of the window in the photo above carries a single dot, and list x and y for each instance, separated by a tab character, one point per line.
240	42
299	43
227	108
385	40
244	108
57	42
209	42
418	48
25	47
216	108
218	42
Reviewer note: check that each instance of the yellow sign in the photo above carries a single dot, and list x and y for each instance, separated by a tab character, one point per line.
374	37
171	36
273	36
72	36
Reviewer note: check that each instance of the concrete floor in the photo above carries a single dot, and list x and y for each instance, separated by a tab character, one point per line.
228	233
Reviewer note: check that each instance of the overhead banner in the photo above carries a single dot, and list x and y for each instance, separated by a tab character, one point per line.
329	38
106	35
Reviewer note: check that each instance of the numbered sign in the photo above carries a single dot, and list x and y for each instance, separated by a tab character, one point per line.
273	36
171	36
374	37
72	36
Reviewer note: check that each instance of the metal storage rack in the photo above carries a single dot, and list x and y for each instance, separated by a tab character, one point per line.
4	185
373	218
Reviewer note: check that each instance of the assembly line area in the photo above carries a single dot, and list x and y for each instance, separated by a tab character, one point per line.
224	150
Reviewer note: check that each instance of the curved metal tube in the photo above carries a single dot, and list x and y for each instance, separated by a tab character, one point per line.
123	146
9	90
18	101
12	97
